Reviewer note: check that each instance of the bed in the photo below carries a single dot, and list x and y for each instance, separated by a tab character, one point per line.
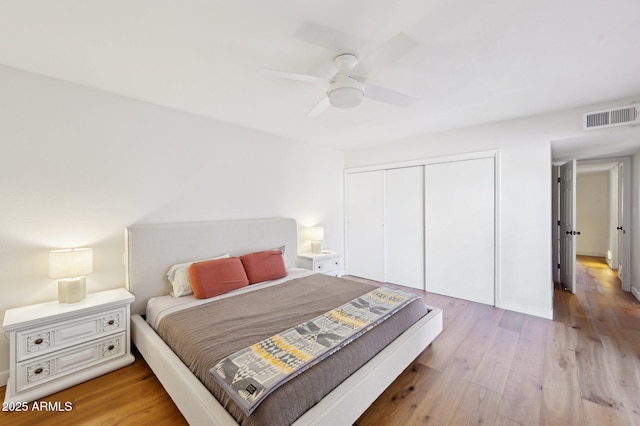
152	249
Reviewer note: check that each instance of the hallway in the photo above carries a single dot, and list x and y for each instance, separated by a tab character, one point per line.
602	337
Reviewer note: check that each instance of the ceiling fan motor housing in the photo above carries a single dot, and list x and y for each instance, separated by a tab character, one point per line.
345	91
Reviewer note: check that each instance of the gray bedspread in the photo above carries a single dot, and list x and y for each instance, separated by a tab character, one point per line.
203	335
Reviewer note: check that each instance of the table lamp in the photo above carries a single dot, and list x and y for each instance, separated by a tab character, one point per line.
71	265
315	235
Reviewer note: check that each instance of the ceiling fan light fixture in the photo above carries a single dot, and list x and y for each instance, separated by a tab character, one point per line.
345	97
345	92
347	86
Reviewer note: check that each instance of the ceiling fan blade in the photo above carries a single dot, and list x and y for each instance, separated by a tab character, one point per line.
389	96
295	76
319	107
329	38
383	56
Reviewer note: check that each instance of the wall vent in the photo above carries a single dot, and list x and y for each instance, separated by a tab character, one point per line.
620	116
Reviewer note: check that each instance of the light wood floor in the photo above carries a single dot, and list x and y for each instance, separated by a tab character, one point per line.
489	366
496	367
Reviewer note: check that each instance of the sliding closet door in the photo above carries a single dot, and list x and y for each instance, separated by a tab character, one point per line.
365	224
460	229
404	226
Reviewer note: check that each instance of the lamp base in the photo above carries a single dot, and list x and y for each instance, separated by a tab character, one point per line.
316	247
72	290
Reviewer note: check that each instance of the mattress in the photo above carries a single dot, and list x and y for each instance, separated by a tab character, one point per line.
158	307
205	332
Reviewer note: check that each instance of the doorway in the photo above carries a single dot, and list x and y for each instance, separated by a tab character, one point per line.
601	221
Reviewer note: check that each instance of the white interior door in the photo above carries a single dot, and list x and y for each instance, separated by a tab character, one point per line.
460	229
619	218
615	218
555	233
404	226
365	224
567	225
626	231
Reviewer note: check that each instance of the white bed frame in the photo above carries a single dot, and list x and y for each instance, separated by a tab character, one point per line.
152	249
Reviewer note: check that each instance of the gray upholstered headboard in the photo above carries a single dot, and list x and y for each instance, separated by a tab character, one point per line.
152	249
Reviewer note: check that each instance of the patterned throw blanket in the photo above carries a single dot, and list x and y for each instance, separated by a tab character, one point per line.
252	373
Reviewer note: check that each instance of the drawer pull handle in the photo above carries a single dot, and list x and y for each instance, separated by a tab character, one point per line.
38	370
38	341
111	347
111	322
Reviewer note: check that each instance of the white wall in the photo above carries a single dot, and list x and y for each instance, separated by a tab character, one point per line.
592	214
79	165
524	214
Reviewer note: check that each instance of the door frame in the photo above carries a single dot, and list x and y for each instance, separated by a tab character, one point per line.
626	213
494	153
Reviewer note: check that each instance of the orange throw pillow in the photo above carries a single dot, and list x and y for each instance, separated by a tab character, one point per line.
264	265
216	277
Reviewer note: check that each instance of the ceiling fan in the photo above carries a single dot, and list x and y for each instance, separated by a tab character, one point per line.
348	86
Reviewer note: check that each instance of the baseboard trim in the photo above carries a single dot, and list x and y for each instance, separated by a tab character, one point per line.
592	254
636	293
4	377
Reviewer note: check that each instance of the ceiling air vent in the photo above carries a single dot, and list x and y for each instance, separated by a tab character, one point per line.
620	116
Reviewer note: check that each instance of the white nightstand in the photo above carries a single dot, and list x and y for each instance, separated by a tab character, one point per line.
328	262
54	345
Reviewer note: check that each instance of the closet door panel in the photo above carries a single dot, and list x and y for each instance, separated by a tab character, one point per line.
404	226
460	229
365	224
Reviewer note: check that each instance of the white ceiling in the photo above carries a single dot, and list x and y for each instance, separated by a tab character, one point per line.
476	61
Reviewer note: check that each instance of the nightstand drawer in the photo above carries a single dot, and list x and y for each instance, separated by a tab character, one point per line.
40	341
326	266
44	369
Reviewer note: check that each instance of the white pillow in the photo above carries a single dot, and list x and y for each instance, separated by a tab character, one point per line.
178	276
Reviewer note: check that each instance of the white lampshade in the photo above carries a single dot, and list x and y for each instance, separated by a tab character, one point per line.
70	263
315	233
71	266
